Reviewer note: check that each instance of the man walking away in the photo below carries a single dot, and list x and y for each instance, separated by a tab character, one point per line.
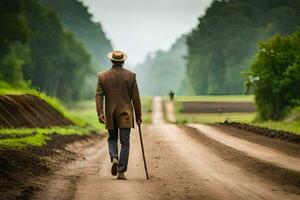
171	95
118	88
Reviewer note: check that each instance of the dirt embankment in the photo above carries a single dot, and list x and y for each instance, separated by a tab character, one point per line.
17	111
23	171
271	133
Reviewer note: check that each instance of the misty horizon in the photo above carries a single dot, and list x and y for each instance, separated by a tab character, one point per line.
148	26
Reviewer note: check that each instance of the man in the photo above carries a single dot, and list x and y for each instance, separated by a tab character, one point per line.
118	87
171	95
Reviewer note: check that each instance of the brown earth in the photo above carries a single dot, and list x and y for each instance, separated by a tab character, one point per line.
289	180
201	162
183	162
286	146
217	107
271	133
22	171
170	112
17	111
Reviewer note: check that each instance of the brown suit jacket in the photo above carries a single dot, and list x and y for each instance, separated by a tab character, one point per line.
119	88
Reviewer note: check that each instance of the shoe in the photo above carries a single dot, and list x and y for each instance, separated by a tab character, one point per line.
121	176
114	167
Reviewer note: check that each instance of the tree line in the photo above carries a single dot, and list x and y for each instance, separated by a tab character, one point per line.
75	16
224	43
39	51
166	69
224	47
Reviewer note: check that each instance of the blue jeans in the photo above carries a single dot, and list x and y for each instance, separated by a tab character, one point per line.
125	144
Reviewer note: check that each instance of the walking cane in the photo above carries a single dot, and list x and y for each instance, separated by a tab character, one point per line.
142	145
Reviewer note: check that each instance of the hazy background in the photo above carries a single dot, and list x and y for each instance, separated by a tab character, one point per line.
139	26
192	47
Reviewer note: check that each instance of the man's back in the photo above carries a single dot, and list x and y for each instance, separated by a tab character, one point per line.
117	84
119	88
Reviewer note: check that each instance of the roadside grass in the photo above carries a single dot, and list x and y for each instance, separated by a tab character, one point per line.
293	127
249	118
291	124
84	120
85	112
210	118
243	98
146	109
35	137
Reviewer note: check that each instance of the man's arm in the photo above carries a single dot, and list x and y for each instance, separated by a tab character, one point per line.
136	101
99	100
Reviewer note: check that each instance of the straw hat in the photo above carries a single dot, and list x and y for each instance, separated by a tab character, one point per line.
117	56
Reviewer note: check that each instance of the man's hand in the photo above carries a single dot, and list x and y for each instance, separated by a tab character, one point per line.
101	119
139	121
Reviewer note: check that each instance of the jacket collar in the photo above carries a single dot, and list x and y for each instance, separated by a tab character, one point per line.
117	66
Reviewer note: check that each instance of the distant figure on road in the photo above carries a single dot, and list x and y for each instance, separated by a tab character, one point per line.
171	95
118	88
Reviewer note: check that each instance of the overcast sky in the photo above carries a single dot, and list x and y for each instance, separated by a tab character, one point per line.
142	26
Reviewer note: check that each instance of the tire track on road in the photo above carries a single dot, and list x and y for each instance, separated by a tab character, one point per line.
263	153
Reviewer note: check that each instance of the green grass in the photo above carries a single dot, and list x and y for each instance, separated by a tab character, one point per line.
36	137
84	120
244	98
210	118
293	127
147	109
85	112
249	118
291	124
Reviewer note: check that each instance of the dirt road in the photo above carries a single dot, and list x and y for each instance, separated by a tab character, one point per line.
182	165
255	150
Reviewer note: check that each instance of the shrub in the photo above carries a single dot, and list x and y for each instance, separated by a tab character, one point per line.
278	67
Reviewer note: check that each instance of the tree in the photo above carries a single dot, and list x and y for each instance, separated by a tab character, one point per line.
59	63
15	28
13	37
78	20
166	69
225	40
278	68
39	52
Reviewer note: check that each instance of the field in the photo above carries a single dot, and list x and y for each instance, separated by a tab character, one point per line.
209	118
183	117
35	137
191	116
217	107
146	109
247	98
85	112
187	109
